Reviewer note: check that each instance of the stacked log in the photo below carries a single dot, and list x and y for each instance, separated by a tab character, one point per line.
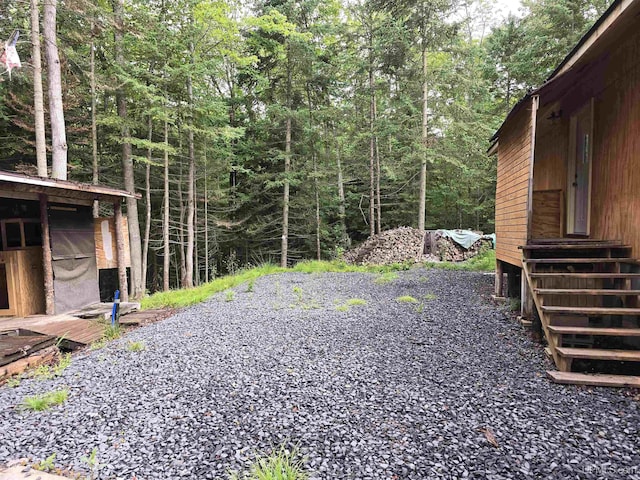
410	245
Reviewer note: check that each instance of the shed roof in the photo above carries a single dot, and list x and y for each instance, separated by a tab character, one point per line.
27	184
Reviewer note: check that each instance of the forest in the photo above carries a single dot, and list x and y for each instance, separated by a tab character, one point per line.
276	130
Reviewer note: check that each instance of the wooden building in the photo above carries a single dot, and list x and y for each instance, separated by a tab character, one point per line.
568	203
51	247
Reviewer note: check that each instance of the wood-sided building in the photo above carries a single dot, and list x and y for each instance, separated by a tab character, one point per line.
52	249
568	194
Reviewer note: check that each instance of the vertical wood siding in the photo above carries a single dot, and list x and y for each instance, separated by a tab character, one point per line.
512	191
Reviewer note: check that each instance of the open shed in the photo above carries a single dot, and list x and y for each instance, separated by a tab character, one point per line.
52	248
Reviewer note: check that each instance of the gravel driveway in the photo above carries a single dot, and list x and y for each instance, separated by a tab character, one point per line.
384	390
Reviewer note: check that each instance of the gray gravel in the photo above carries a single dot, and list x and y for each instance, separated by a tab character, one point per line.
385	390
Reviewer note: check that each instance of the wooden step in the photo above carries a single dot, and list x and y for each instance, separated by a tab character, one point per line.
576	246
600	354
605	292
596	331
590	311
595	380
599	276
538	261
561	241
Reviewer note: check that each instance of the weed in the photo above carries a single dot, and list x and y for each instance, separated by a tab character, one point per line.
45	401
136	346
229	296
98	344
385	278
42	372
250	285
63	363
430	296
13	382
298	292
46	465
112	332
514	304
419	308
352	302
342	308
282	464
92	462
407	299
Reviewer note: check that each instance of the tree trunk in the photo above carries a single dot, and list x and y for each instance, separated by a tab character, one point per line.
38	94
206	221
317	191
122	269
342	209
56	108
147	191
94	124
422	208
378	196
137	285
165	220
46	255
188	279
372	102
287	168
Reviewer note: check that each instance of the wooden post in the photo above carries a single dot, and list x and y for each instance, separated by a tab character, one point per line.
526	299
46	255
122	269
499	279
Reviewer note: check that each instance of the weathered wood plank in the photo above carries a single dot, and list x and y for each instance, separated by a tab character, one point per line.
595	380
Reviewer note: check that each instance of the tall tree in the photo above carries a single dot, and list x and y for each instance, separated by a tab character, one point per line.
38	95
56	107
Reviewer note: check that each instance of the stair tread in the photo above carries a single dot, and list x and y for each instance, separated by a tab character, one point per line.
585	291
601	331
596	380
582	260
600	354
592	310
585	275
576	246
560	241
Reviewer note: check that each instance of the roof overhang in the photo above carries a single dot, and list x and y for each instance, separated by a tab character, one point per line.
62	189
613	18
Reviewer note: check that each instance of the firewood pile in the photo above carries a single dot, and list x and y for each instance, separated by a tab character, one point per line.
411	245
446	250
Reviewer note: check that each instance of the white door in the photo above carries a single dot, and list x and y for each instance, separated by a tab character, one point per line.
579	188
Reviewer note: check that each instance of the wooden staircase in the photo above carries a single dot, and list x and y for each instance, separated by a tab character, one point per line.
587	296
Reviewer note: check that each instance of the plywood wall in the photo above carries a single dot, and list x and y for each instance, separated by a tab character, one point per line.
105	235
615	206
552	148
512	191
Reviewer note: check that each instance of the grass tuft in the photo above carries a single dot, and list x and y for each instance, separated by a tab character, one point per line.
282	464
385	278
229	296
45	401
136	346
484	262
112	332
430	296
352	302
407	299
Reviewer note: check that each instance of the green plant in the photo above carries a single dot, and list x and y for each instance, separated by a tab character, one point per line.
430	296
250	285
229	296
352	302
282	464
342	308
46	465
13	382
63	363
298	292
136	346
385	278
92	462
514	304
98	344
45	401
419	308
42	372
112	332
407	299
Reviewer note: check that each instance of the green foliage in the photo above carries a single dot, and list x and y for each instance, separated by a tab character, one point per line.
136	346
47	372
46	465
45	401
484	262
352	302
282	464
13	382
407	299
430	296
385	278
229	296
112	332
92	462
